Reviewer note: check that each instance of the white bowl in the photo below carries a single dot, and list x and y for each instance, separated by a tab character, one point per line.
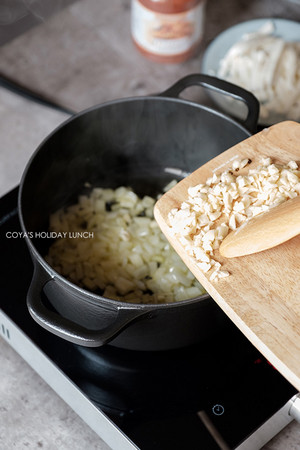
217	49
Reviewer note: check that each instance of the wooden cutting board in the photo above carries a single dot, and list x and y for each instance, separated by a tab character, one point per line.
262	294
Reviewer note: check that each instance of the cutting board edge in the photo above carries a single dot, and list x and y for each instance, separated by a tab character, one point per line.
161	209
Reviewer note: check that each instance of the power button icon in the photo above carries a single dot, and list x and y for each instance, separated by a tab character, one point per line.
218	410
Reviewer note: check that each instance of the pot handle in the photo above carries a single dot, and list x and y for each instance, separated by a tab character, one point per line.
65	328
224	87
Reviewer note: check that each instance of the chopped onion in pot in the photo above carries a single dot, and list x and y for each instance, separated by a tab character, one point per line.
127	258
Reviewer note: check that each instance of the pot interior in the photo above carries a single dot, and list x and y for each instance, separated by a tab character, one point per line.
142	143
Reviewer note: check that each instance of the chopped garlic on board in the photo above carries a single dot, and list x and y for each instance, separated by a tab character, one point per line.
226	201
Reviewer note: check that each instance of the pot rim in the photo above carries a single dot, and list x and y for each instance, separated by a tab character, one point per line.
159	97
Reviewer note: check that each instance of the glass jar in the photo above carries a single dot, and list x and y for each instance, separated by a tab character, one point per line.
168	31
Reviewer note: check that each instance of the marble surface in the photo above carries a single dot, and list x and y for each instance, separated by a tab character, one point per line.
80	57
32	416
24	124
85	55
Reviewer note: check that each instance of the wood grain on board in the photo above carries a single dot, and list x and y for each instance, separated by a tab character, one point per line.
262	294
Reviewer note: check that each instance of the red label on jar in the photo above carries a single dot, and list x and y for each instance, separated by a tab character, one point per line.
166	34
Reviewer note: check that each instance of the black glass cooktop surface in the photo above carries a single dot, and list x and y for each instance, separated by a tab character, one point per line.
158	399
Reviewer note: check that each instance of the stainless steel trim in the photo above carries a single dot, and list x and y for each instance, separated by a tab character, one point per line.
294	411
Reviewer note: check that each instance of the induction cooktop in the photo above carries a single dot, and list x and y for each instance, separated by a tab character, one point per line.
221	393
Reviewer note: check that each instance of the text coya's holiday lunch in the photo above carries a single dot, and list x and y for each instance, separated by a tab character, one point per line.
50	234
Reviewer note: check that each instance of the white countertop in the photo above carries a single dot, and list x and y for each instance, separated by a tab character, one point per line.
31	414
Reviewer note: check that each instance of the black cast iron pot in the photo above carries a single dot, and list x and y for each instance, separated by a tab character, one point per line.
138	142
